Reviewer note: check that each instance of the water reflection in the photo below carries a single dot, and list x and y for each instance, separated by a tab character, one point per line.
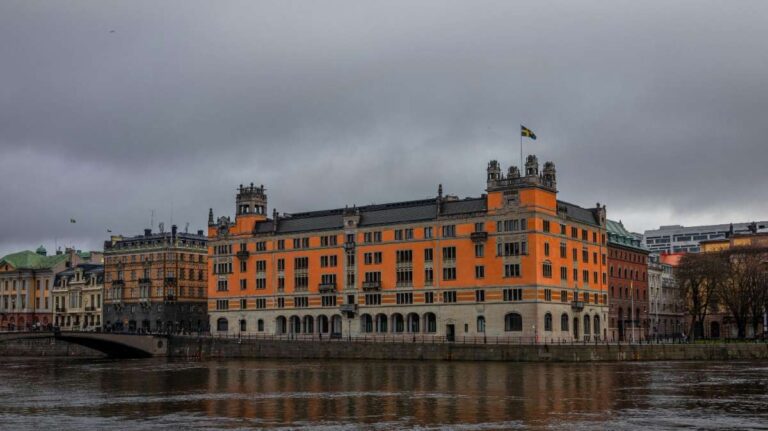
143	394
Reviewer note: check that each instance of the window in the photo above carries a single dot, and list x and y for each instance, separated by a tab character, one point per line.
281	244
480	324
429	276
301	282
404	277
280	265
301	302
372	258
243	268
479	250
563	296
261	246
371	237
449	274
373	299
428	232
281	302
261	266
479	295
222	325
328	279
373	277
222	304
548	322
243	284
243	304
546	226
300	243
574	232
428	254
449	296
585	255
585	276
513	294
547	294
261	303
301	263
260	325
513	322
523	224
328	300
479	227
479	271
564	322
328	240
329	261
575	254
399	235
547	269
512	270
562	229
449	254
404	256
546	249
404	298
280	283
584	235
351	279
429	297
564	273
449	231
221	285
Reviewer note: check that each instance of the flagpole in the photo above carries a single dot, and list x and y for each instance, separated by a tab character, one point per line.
522	172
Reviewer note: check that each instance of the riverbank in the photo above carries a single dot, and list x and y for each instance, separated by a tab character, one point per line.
224	348
46	347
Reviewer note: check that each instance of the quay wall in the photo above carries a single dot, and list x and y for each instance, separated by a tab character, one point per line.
207	347
42	347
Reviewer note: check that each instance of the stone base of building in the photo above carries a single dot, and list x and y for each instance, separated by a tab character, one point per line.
82	321
166	317
523	321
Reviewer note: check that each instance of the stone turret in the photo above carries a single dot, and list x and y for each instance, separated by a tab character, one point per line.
494	172
251	200
531	166
549	176
513	172
211	222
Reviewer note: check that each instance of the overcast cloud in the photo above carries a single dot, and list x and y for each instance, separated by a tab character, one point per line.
109	110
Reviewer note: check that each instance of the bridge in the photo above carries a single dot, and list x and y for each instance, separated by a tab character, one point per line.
112	344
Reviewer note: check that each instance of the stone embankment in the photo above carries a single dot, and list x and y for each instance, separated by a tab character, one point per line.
42	347
207	347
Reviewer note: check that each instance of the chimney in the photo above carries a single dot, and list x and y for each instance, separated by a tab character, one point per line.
200	232
147	232
173	231
275	217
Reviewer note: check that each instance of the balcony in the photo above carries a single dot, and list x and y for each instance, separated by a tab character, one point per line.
348	309
327	287
479	236
243	254
369	286
577	305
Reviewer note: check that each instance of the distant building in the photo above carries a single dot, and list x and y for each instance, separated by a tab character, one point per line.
156	282
666	303
26	284
676	238
77	297
627	284
515	262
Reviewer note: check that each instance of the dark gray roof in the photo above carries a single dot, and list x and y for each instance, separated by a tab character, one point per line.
578	213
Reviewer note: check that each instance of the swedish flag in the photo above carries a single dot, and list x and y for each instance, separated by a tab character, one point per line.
527	133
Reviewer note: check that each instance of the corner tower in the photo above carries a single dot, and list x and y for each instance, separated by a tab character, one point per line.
251	205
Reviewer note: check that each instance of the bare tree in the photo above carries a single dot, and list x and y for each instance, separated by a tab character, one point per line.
699	276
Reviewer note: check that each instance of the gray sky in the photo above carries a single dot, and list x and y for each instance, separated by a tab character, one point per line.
111	109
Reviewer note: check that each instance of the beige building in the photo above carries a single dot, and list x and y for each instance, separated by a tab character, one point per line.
77	296
666	305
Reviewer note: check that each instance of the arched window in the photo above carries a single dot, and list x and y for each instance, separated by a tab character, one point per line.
398	324
513	322
222	325
586	325
281	326
430	322
548	322
481	324
260	325
243	325
366	323
413	322
564	322
597	325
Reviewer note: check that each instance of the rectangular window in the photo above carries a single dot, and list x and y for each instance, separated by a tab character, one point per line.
428	232
594	277
575	274
563	250
281	302
280	265
328	300
449	254
281	244
399	235
404	256
547	294
261	283
428	254
449	296
479	227
563	296
479	271
261	266
409	233
329	261
575	254
547	269
243	284
512	270
261	246
351	259
280	284
328	240
221	285
404	277
301	302
243	268
546	249
261	303
562	229
574	232
479	250
585	255
513	294
564	273
449	274
429	297
243	304
222	304
404	298
546	226
372	299
585	276
429	276
301	282
479	295
373	277
351	279
301	263
449	231
523	224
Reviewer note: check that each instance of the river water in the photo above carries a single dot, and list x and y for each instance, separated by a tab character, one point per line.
55	394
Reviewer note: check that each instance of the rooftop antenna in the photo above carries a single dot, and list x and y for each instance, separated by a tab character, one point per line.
161	226
152	219
186	228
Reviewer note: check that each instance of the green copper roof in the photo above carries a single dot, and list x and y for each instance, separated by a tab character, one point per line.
31	260
618	234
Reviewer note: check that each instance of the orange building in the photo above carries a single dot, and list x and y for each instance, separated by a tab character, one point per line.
515	262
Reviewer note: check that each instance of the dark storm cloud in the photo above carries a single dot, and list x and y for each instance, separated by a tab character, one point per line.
111	109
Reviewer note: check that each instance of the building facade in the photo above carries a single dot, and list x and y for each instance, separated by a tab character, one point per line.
77	298
676	238
666	303
26	285
515	262
628	284
156	282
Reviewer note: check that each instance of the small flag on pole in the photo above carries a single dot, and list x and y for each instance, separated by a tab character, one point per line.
72	220
527	133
